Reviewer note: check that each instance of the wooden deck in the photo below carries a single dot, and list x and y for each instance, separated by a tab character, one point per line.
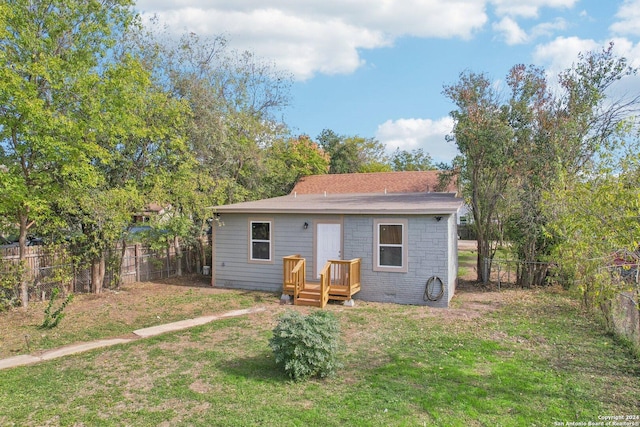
339	280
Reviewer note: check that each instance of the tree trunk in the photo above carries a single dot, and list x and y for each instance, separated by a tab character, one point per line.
479	261
484	260
200	261
123	253
533	273
97	273
189	260
176	244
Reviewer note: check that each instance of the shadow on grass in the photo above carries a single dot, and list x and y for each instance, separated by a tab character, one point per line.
261	367
261	297
193	280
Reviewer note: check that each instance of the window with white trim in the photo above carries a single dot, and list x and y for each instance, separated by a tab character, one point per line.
260	241
390	245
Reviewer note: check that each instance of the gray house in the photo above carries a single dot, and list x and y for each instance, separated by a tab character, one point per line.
395	247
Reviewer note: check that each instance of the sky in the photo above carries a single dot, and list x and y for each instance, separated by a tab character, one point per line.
377	68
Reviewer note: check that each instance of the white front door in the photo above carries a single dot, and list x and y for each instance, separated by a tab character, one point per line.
328	244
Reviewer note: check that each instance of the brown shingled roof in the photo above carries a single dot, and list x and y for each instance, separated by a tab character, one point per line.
375	182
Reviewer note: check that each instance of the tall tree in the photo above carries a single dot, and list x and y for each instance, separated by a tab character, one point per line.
532	117
145	137
590	114
593	209
49	55
233	98
485	140
560	134
514	152
351	154
289	160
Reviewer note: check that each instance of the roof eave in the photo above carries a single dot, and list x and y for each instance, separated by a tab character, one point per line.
263	211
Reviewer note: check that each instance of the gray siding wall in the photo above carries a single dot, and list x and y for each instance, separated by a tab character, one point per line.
453	256
429	255
232	269
432	252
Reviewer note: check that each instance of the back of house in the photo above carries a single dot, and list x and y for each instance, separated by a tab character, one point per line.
402	232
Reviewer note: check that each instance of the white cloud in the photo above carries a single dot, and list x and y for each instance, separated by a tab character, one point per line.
317	36
562	52
411	134
510	31
528	8
512	34
629	15
548	28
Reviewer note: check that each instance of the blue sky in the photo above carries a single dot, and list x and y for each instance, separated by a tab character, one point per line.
376	68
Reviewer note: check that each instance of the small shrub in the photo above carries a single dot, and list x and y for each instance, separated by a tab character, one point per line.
51	320
306	346
10	278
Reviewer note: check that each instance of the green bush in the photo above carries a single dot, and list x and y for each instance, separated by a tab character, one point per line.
306	346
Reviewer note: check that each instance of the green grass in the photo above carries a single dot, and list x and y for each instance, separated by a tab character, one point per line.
534	359
466	262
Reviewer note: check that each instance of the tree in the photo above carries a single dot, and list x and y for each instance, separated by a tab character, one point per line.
289	160
594	217
233	98
351	154
49	56
589	117
560	135
593	209
532	117
145	136
414	160
485	140
514	152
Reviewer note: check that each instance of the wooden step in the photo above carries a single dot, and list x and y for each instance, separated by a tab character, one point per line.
309	294
309	297
312	302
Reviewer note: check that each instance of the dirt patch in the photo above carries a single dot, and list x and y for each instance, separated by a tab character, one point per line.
117	312
467	245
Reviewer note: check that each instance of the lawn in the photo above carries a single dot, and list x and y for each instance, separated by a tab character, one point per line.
118	312
507	358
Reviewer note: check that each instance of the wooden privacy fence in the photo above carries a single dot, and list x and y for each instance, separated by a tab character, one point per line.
46	269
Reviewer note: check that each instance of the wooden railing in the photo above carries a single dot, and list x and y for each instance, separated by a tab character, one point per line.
339	280
345	278
298	277
289	282
325	284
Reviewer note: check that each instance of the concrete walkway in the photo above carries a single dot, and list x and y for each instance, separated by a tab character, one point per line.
27	359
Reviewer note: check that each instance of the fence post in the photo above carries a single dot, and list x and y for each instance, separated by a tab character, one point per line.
136	260
168	261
